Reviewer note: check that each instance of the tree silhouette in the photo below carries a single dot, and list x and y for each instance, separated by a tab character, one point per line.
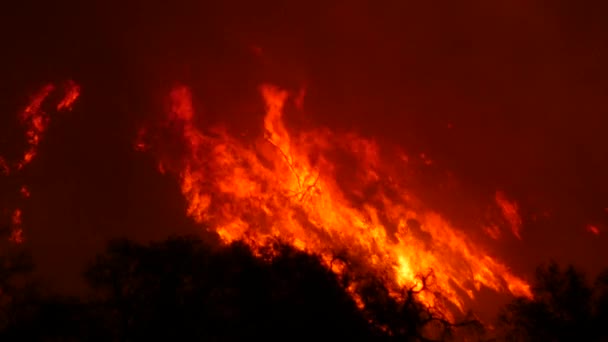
600	298
181	289
565	308
409	319
184	289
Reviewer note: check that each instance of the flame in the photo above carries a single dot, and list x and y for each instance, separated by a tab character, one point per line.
324	193
510	211
35	119
72	91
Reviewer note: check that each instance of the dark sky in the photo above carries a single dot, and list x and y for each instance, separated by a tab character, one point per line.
522	84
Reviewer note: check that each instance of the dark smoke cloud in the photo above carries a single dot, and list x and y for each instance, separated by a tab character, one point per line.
506	96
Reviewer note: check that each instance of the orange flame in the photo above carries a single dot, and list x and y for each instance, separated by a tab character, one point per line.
328	194
72	91
36	120
510	211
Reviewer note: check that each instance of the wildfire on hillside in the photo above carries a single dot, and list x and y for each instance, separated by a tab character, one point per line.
325	193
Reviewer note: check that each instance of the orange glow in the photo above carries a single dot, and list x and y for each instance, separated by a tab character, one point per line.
140	145
25	192
493	231
35	119
16	220
4	167
593	229
72	91
510	211
291	187
425	159
16	227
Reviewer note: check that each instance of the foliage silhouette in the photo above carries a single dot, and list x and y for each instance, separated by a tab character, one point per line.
565	308
184	289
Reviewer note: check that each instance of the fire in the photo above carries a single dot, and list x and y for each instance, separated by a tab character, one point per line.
72	91
324	193
16	227
493	231
510	211
35	118
593	229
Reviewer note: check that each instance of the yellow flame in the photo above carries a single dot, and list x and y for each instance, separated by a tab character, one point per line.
291	187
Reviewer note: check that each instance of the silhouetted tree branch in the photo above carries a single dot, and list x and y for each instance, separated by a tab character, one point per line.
565	308
184	289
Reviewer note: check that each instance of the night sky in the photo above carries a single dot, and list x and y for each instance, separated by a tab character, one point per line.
507	95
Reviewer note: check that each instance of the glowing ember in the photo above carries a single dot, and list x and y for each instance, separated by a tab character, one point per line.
510	211
324	193
593	229
25	192
72	91
4	167
35	119
16	227
426	159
